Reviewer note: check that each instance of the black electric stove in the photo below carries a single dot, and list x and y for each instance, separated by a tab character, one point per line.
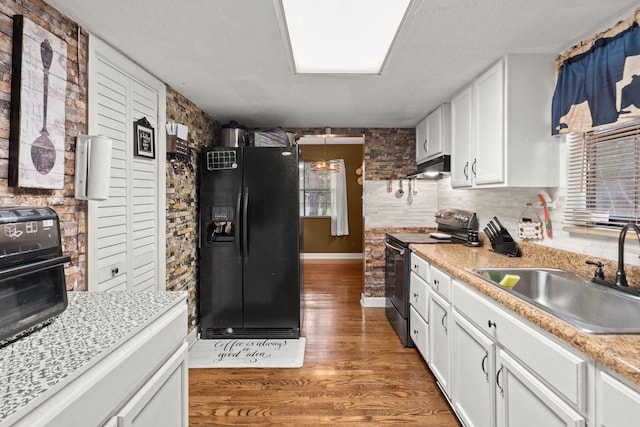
454	227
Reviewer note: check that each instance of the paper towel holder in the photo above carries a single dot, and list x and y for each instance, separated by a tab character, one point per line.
93	167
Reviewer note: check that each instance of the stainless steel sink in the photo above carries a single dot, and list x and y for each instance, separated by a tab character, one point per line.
592	308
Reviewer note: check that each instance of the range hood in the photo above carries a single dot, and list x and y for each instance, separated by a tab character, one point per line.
433	169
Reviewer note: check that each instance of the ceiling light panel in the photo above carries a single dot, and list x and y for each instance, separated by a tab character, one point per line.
342	36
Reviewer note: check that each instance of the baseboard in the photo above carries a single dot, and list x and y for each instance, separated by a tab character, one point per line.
318	255
192	336
372	301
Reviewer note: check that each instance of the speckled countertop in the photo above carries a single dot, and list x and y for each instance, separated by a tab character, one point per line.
620	353
93	325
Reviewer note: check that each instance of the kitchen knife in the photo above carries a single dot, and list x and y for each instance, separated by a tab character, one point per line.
493	228
489	233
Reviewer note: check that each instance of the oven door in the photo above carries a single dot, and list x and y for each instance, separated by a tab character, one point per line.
31	294
394	276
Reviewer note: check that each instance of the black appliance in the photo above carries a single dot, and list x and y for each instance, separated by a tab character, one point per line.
250	242
32	281
455	226
433	169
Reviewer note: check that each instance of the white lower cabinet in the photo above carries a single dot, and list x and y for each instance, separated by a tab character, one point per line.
618	403
419	332
473	374
526	378
439	348
497	369
141	382
522	400
163	400
419	306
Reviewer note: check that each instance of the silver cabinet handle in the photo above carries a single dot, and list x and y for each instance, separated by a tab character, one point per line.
484	369
498	380
444	323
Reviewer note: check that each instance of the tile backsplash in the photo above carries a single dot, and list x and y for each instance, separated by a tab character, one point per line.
383	209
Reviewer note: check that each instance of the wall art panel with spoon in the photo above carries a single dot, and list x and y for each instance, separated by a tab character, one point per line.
38	86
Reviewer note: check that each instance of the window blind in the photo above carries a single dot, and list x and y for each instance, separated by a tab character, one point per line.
603	178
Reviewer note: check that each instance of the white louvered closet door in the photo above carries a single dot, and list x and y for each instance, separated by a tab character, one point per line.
126	238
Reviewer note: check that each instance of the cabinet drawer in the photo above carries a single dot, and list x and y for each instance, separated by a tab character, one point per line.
420	266
418	294
617	404
441	283
418	330
553	362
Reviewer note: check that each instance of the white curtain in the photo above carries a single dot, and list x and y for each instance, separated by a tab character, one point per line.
340	209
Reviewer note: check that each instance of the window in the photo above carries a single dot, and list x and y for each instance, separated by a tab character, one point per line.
316	193
603	189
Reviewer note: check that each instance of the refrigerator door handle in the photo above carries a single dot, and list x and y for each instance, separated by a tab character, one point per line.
237	223
245	224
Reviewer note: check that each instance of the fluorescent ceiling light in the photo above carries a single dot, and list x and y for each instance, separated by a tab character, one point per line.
342	36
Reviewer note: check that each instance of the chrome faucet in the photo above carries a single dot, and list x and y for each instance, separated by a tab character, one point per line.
621	277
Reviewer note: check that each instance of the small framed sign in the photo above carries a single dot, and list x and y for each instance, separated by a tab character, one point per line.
144	139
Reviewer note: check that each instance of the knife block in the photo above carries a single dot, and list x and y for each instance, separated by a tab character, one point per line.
501	241
504	244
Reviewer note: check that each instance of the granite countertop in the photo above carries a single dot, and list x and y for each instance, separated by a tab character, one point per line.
93	324
620	353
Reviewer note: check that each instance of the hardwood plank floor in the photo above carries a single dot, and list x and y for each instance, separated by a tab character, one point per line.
355	370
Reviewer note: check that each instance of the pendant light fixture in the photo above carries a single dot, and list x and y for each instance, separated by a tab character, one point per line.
325	165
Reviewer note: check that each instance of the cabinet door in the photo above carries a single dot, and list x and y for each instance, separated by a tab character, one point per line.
488	165
618	404
163	400
461	138
472	374
421	141
419	332
522	400
435	133
439	351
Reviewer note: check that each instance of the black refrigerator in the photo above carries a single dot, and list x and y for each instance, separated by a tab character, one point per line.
250	242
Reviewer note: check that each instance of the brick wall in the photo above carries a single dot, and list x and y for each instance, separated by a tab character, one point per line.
182	201
70	211
388	152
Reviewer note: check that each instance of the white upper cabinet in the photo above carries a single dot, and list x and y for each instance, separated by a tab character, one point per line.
461	138
488	165
501	126
433	137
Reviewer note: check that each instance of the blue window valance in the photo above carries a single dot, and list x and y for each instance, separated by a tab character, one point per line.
599	86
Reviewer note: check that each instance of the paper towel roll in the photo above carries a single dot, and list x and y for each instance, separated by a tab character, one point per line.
93	167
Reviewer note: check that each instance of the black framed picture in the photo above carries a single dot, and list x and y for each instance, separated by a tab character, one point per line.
144	139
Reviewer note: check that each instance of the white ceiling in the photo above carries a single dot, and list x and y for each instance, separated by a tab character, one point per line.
229	58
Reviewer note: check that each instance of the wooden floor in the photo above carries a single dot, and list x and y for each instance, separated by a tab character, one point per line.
355	371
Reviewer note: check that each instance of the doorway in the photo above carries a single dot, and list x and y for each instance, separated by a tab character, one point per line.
318	241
